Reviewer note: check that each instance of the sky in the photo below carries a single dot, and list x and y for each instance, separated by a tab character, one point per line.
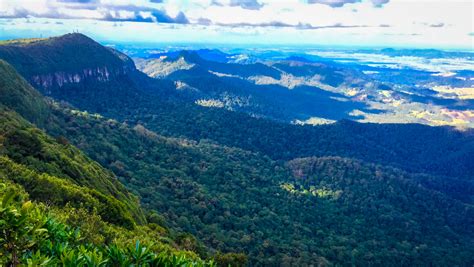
342	23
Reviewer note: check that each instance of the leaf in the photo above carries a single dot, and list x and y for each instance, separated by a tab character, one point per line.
8	198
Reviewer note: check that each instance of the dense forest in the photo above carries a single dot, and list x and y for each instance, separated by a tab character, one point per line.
213	184
59	207
71	221
234	199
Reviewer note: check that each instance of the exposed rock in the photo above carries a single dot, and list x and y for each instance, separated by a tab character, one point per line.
59	79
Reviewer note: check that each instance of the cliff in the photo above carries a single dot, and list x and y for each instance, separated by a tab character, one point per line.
68	59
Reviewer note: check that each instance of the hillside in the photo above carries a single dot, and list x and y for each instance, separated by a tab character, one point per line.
35	234
81	213
339	194
14	91
25	144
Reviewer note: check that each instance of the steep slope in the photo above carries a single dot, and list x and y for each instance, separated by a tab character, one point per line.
79	190
15	91
77	69
27	145
76	233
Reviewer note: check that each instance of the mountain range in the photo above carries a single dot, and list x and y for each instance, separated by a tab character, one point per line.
314	87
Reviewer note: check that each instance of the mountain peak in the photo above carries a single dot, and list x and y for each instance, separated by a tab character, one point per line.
70	58
190	56
77	38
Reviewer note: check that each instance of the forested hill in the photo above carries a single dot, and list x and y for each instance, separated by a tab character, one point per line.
26	145
71	58
284	195
61	208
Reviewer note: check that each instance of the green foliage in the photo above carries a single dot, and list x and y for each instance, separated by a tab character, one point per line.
20	226
41	160
17	94
31	237
38	159
231	259
59	192
235	200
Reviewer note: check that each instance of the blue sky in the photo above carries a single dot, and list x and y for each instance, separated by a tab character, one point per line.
380	23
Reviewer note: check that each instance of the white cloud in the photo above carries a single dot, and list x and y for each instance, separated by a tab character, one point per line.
442	65
394	22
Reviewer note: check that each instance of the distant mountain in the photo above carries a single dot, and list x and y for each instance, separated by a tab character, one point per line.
158	105
433	88
73	66
207	54
276	91
426	53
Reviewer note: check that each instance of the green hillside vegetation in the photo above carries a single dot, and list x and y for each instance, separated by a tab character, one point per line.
411	147
26	144
15	91
155	104
78	226
73	194
37	235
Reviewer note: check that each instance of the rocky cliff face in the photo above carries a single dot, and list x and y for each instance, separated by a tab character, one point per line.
61	78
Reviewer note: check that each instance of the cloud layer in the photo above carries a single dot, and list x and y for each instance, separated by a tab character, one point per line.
157	11
91	9
340	3
245	4
423	21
